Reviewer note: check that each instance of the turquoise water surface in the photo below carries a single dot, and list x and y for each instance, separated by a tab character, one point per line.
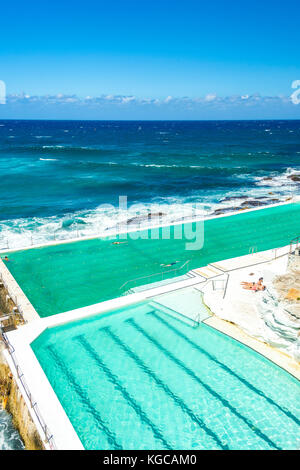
63	277
143	379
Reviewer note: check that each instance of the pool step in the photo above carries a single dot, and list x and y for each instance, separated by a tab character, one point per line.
161	283
208	271
185	303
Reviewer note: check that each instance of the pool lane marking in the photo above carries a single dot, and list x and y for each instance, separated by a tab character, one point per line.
192	374
85	400
224	366
128	398
178	401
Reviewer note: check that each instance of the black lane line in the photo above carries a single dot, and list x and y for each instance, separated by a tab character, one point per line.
178	401
203	384
85	400
114	380
225	367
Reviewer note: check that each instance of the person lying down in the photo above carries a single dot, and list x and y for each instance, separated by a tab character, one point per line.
254	286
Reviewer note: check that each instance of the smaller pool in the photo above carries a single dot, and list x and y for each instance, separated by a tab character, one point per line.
145	378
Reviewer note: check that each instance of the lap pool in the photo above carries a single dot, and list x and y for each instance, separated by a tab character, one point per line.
146	378
67	276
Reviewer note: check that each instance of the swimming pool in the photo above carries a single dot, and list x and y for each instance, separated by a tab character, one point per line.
141	378
63	277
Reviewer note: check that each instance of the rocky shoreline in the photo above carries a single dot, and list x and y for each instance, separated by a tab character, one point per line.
248	203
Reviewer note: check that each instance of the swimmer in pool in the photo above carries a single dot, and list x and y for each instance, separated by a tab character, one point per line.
5	258
118	243
170	264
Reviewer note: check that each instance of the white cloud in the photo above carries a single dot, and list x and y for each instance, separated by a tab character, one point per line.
185	103
128	99
210	97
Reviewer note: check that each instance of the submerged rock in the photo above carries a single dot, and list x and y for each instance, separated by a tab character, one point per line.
295	178
254	203
247	204
224	210
143	218
233	198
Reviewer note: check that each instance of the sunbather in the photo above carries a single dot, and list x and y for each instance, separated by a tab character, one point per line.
251	287
255	287
251	284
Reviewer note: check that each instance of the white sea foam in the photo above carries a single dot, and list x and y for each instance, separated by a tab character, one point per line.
18	233
49	159
282	181
9	437
53	146
23	232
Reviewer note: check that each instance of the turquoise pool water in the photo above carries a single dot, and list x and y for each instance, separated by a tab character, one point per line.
140	378
72	275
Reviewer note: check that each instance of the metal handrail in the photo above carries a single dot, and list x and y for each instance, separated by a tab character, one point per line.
212	279
294	241
49	439
13	297
76	234
154	274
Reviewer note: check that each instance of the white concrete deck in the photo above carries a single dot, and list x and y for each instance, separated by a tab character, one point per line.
50	408
114	232
28	311
241	312
238	315
278	357
206	272
64	435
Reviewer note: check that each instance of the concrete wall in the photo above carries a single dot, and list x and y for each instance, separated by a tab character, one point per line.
14	403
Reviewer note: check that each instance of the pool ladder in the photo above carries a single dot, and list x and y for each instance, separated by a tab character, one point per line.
197	320
125	288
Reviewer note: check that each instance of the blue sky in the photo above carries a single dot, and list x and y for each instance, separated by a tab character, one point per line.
121	53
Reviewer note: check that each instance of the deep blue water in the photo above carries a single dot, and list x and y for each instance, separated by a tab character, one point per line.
55	172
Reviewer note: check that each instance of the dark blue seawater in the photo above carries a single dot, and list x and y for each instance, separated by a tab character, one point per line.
56	172
9	436
56	176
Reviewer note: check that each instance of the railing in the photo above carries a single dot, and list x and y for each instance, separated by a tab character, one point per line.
46	238
159	274
197	320
48	435
79	231
225	283
213	280
13	297
296	242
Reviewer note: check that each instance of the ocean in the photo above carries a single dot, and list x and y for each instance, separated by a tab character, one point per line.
64	178
9	437
57	176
